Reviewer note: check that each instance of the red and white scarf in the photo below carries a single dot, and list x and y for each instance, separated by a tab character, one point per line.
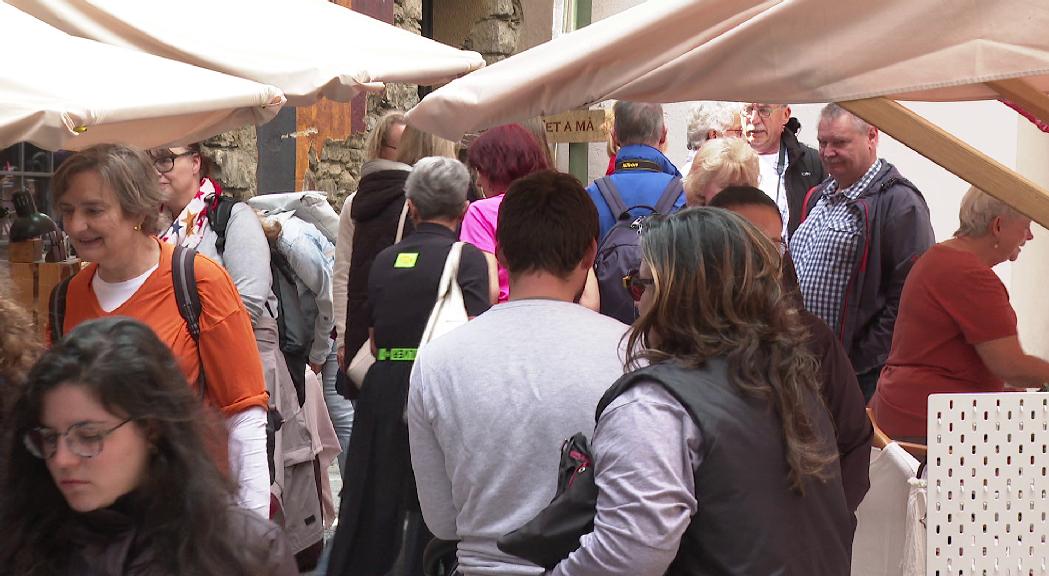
191	224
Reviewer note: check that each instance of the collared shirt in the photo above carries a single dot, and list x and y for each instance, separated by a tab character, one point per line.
825	246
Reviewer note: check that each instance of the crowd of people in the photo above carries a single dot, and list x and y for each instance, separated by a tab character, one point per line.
718	335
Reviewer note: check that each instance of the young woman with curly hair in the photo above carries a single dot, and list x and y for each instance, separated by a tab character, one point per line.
716	456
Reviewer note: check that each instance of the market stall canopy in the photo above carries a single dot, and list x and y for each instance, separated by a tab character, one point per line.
783	51
307	48
73	93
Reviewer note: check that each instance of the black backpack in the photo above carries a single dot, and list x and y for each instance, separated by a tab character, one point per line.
619	252
295	337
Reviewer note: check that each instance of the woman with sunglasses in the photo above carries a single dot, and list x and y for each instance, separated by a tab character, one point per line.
114	471
717	456
109	201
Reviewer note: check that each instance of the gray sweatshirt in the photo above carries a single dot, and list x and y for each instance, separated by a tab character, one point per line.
490	405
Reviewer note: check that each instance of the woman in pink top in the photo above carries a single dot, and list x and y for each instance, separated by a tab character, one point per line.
500	156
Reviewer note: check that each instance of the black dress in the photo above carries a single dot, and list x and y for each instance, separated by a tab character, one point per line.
378	486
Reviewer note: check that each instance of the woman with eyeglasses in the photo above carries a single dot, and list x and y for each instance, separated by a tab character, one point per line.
109	201
112	471
717	456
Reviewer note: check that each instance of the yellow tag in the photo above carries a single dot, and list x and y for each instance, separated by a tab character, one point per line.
406	260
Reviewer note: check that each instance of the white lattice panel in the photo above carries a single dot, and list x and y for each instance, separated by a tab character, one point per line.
988	488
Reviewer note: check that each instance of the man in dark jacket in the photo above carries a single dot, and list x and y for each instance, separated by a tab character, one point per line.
860	234
789	169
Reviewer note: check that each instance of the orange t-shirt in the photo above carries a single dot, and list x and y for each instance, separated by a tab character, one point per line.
233	369
950	302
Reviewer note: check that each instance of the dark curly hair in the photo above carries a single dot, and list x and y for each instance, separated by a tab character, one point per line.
185	498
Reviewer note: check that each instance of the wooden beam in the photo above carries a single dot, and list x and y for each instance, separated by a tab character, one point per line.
956	156
1020	92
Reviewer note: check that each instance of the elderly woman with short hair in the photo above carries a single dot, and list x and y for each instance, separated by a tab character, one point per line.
720	163
402	287
956	331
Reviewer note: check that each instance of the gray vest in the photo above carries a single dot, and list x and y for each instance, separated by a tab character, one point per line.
749	521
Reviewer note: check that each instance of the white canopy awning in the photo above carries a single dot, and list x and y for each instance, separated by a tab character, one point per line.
73	93
307	48
774	51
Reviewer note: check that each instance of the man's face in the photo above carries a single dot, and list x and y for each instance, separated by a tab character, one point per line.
763	125
847	152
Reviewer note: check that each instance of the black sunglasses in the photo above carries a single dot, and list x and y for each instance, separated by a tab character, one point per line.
635	284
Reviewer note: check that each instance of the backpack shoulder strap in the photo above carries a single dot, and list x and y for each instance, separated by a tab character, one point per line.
219	213
611	195
56	308
184	278
671	193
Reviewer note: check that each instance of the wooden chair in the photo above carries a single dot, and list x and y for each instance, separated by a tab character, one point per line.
881	440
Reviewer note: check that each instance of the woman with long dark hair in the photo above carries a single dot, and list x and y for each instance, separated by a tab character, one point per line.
110	472
717	456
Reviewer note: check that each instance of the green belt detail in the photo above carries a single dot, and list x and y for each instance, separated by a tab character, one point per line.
396	354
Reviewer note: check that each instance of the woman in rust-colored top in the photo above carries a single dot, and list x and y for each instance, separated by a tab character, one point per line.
956	330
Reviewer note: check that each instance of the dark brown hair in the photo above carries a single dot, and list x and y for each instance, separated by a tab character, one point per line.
547	222
716	294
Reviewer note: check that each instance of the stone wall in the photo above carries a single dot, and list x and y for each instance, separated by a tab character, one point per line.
234	158
495	36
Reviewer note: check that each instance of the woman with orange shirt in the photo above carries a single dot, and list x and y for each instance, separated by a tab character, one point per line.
109	201
956	331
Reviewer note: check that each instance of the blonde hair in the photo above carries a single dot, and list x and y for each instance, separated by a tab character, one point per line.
416	145
127	171
729	161
978	210
377	138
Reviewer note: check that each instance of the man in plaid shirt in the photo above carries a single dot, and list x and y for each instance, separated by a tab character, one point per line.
861	232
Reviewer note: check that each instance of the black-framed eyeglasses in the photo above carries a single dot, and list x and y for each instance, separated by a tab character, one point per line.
763	111
166	163
635	284
83	439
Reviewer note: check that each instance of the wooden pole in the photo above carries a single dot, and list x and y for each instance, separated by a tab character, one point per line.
956	156
1020	92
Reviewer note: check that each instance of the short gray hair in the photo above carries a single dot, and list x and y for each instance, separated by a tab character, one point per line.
978	210
437	187
833	110
707	116
638	123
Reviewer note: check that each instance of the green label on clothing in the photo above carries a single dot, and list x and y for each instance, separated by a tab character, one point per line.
406	260
396	354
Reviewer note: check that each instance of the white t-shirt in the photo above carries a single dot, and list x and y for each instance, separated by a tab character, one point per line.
773	184
112	295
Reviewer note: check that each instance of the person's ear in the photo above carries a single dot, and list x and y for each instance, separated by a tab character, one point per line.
786	114
589	256
713	134
412	212
499	257
615	139
663	136
198	163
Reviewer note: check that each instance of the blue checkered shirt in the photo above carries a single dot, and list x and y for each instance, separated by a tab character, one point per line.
824	248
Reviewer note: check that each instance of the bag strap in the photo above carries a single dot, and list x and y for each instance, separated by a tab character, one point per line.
218	214
611	195
400	223
184	279
56	308
448	278
671	193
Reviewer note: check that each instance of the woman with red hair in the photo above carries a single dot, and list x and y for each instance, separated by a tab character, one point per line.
500	156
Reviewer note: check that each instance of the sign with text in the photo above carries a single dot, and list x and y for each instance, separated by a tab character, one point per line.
576	126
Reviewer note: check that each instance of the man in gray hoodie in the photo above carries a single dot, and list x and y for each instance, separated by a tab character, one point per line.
491	402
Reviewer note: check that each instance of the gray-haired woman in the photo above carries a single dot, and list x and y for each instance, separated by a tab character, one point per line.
402	286
956	331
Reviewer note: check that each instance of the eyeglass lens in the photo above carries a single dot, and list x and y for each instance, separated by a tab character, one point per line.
84	440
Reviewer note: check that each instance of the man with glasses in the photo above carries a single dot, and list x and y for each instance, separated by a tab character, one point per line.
789	169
